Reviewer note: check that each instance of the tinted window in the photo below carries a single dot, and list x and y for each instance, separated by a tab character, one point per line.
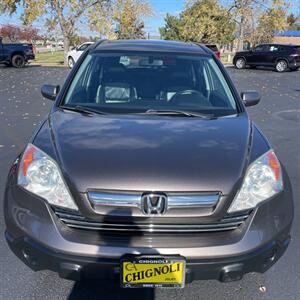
83	47
273	48
261	48
134	82
282	48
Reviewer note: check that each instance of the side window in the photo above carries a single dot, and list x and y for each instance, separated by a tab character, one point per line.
218	88
78	87
83	47
258	49
273	48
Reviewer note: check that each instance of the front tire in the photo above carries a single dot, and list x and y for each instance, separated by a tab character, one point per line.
240	63
18	61
281	66
71	62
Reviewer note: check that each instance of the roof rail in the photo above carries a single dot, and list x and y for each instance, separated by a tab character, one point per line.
98	43
202	47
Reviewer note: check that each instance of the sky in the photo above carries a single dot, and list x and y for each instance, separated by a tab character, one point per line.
161	7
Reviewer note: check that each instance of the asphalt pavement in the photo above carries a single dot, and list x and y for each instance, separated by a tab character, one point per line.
22	109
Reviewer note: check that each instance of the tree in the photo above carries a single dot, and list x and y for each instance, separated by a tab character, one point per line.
29	34
293	22
172	28
10	32
203	21
65	13
122	19
243	12
272	20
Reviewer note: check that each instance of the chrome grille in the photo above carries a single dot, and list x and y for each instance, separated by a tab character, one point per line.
80	222
125	204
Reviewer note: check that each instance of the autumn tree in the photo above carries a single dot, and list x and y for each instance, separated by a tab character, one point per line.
244	14
272	20
64	13
121	19
293	22
10	32
204	21
29	34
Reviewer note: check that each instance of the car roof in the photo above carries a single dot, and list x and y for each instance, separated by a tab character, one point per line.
151	45
276	44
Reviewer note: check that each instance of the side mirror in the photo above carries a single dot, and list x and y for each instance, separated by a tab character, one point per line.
50	91
250	98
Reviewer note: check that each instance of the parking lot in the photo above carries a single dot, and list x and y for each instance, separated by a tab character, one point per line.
278	115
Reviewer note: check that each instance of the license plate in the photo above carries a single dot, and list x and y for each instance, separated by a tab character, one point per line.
153	272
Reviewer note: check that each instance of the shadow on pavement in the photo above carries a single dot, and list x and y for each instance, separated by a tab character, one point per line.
105	290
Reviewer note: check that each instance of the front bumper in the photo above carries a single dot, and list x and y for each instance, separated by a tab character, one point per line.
42	241
38	257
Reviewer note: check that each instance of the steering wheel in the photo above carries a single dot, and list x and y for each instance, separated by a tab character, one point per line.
189	95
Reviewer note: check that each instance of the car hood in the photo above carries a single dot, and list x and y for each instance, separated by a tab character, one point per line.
150	153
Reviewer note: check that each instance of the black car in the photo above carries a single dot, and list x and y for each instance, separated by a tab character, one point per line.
280	57
148	171
16	55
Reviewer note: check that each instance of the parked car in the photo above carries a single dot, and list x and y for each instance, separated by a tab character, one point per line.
75	53
16	55
148	170
280	57
215	49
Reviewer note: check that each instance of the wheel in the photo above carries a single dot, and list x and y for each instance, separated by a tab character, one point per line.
18	61
71	62
240	63
281	66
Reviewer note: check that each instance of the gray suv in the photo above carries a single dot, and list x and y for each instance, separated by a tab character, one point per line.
148	171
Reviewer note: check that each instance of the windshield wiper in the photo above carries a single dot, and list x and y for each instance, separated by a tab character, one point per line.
179	112
84	110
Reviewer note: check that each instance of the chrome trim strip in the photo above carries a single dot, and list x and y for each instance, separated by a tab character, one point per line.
109	199
227	223
192	200
134	200
154	230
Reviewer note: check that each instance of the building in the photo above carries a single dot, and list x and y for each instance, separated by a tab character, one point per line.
287	37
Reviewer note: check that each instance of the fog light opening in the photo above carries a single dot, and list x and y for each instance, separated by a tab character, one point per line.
31	259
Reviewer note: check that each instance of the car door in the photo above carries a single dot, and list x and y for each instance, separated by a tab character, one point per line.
271	55
257	56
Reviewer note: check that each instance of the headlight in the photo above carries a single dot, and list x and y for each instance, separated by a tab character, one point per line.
40	175
263	179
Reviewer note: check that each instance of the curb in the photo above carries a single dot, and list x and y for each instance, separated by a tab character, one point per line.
47	65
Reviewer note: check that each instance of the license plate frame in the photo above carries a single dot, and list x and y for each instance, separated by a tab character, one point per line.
138	264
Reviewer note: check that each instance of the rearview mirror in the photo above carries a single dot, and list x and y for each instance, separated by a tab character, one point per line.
50	91
250	98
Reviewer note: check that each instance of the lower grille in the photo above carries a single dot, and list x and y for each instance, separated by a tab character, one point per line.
78	221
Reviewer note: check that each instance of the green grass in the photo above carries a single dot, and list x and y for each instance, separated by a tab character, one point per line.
51	58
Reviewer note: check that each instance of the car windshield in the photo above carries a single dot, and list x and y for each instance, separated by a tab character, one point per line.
139	82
